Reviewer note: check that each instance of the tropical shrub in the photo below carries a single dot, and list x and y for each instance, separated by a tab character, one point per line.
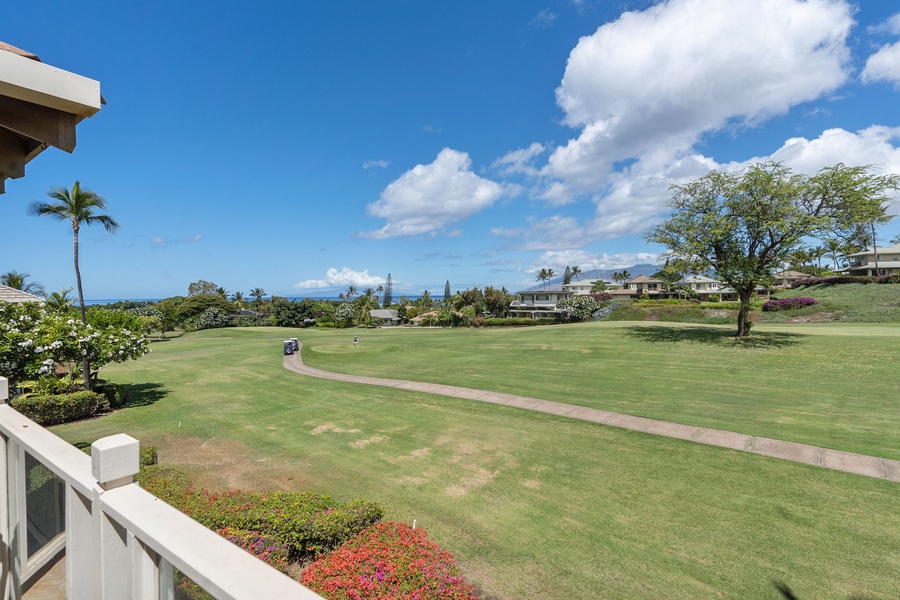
307	524
265	547
578	308
388	560
211	318
60	408
33	341
518	322
836	280
253	321
788	304
115	393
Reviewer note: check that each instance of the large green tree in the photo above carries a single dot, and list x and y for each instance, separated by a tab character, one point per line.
742	226
79	207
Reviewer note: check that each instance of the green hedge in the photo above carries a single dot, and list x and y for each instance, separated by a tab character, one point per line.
307	523
115	393
518	322
61	408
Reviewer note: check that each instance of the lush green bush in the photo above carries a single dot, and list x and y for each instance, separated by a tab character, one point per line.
307	524
253	321
60	408
51	384
265	547
837	280
517	322
115	393
388	560
211	318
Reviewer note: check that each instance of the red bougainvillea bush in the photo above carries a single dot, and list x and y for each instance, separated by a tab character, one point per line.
388	561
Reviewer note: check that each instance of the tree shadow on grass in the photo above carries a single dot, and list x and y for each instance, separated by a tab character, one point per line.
789	594
144	394
717	337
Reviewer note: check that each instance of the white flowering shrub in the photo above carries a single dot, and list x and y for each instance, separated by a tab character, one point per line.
211	318
577	308
33	341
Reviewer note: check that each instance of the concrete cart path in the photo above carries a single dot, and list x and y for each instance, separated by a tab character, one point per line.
871	466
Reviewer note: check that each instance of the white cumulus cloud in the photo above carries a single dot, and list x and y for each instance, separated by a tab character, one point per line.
661	77
884	65
587	261
429	198
343	278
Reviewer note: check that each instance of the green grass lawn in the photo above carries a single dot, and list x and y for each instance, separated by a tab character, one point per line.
847	303
833	386
532	505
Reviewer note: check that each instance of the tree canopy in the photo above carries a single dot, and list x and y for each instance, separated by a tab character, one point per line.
742	226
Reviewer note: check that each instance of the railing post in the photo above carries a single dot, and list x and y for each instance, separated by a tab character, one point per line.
4	506
114	462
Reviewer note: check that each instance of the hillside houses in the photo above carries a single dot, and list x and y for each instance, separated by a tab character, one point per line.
864	263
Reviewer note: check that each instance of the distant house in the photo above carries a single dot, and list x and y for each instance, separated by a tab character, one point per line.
538	304
8	294
583	288
788	278
863	263
640	285
387	315
703	286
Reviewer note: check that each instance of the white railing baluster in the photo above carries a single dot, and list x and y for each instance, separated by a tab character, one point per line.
166	580
145	570
121	541
82	570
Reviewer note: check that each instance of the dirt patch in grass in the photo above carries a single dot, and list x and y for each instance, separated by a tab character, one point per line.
371	440
219	464
331	427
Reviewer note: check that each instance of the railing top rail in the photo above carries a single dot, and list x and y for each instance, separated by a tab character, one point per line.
220	567
65	460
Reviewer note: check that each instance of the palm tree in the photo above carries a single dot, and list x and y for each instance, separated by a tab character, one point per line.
550	274
896	239
237	299
625	275
60	301
576	271
351	291
542	276
16	281
76	206
257	293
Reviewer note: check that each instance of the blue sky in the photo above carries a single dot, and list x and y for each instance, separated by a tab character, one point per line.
303	147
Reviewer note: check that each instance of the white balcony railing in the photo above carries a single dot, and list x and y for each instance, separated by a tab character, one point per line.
120	541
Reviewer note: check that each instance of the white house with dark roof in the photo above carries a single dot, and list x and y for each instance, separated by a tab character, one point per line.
863	263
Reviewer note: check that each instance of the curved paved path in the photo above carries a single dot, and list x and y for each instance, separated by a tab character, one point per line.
871	466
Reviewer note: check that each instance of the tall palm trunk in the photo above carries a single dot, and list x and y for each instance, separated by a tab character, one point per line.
85	363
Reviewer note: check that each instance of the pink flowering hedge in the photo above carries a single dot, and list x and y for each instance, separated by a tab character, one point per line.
388	561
